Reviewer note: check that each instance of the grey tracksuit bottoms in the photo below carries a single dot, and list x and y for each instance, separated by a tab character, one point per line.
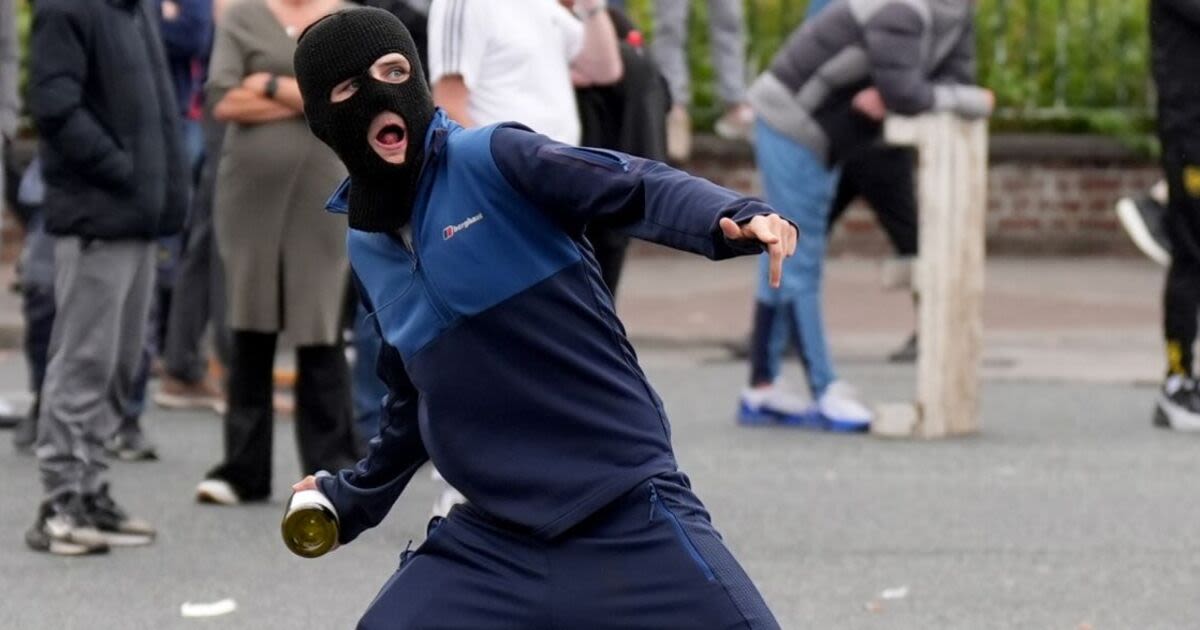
102	291
727	28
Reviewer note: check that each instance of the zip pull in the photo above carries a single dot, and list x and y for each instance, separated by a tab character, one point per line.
653	501
406	555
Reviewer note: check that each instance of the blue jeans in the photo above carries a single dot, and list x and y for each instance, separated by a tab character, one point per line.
799	186
369	391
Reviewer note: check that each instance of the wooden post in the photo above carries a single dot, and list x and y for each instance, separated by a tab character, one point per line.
948	276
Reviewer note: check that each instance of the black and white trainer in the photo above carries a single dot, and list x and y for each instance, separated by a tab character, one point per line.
116	526
64	529
1178	405
1145	220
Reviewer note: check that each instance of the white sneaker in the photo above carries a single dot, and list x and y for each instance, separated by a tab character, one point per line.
217	491
764	405
1178	405
841	409
737	123
450	498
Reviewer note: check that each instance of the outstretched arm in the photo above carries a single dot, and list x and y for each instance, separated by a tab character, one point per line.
364	495
652	200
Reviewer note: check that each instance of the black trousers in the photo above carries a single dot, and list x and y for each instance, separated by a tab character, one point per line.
883	176
324	431
200	280
1181	297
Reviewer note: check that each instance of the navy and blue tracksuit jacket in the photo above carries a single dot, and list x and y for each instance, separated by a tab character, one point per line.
504	359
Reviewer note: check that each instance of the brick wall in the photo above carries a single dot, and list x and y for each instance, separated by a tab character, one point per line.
1046	194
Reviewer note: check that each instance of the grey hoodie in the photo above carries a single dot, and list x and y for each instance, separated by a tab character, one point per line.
919	54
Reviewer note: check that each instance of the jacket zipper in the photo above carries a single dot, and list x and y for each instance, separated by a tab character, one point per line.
435	299
682	535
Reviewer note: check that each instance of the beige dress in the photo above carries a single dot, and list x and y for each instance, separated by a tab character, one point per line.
284	255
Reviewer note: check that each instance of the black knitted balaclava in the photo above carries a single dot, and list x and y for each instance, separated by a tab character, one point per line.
343	46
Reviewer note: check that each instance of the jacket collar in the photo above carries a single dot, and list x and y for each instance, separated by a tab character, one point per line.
435	142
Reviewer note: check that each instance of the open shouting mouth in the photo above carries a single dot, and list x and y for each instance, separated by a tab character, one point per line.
388	136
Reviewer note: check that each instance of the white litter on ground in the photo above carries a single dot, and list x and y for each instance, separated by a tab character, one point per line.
208	609
899	592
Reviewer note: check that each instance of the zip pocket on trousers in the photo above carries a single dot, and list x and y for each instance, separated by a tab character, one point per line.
680	533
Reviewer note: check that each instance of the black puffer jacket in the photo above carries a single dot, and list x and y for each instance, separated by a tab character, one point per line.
1175	45
105	110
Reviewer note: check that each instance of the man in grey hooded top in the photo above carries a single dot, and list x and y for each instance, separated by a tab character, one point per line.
823	98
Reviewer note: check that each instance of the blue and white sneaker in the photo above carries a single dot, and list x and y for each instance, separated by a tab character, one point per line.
841	411
776	405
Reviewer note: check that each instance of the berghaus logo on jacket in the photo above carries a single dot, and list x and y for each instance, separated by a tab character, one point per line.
449	231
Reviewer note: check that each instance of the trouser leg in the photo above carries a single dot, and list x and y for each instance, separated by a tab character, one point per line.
669	47
100	290
1181	296
324	431
249	419
192	308
727	26
800	187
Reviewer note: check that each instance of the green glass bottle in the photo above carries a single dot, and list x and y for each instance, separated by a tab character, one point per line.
310	524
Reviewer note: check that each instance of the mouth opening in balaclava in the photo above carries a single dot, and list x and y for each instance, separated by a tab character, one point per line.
344	46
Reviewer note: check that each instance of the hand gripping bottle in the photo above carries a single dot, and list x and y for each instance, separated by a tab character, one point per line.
310	524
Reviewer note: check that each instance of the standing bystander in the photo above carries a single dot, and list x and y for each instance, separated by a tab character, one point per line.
1175	40
185	382
822	100
115	172
286	264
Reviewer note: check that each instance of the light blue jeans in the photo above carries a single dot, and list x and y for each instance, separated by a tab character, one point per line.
799	186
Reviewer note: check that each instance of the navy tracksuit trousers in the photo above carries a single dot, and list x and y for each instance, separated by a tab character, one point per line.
651	559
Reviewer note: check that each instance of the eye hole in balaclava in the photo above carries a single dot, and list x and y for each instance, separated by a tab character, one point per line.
342	47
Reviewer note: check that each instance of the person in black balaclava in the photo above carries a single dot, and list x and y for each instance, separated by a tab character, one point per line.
505	363
365	96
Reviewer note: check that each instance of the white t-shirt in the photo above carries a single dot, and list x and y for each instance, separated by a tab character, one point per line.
514	56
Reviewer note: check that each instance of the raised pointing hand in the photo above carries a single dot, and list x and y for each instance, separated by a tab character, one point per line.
776	234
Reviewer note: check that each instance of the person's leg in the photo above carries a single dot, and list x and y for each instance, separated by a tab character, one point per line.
185	383
695	582
727	28
469	573
137	262
669	48
84	351
1178	405
324	427
369	390
1181	297
800	187
37	308
92	284
884	177
128	393
249	421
